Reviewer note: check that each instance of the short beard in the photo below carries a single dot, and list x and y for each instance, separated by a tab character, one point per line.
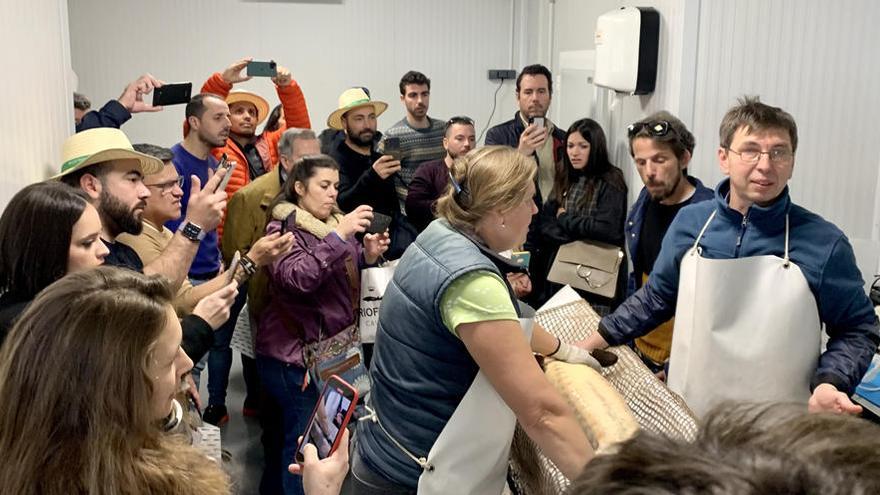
116	217
207	140
670	191
356	139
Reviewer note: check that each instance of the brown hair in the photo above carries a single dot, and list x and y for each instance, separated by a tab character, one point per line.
754	116
490	178
746	450
75	415
679	139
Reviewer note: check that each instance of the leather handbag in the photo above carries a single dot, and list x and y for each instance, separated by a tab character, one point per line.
588	265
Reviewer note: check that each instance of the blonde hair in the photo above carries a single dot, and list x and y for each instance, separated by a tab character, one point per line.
491	178
75	415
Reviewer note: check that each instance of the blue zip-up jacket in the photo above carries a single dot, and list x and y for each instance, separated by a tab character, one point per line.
817	247
633	228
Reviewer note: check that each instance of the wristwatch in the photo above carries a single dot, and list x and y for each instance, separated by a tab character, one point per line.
192	231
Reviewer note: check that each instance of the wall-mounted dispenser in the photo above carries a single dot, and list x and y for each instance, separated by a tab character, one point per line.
627	42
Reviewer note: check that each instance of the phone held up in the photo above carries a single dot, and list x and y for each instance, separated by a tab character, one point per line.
379	223
262	69
391	146
230	167
172	94
233	267
288	222
329	419
538	121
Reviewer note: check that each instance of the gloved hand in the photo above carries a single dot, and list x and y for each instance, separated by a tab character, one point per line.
575	355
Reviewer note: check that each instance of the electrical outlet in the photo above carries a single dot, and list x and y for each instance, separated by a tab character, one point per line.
501	74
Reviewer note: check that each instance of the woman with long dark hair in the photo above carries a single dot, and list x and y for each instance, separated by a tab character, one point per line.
48	229
588	202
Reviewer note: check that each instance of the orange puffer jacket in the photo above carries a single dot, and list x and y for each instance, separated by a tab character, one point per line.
295	115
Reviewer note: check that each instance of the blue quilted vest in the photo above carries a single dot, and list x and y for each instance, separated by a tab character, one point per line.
420	370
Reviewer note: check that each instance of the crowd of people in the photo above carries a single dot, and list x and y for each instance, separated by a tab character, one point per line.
156	254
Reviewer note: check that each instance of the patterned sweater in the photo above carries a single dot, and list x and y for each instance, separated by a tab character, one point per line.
416	146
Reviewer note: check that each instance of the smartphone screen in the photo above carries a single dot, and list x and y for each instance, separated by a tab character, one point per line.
538	121
330	418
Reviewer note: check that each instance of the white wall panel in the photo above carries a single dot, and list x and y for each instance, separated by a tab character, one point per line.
37	95
816	60
328	46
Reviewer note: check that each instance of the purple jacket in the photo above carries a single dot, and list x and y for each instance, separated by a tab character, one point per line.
310	291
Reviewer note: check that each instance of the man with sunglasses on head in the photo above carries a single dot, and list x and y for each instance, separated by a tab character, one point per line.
661	147
751	278
432	177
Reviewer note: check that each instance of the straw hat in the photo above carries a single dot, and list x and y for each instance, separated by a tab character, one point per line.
252	98
99	145
349	100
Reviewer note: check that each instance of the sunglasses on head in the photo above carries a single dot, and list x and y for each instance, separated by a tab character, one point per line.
658	128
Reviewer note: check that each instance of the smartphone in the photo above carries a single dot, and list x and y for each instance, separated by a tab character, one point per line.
262	69
391	146
521	258
538	121
330	418
230	167
233	266
172	94
287	222
379	223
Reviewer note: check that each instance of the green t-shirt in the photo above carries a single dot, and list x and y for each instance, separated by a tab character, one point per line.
480	295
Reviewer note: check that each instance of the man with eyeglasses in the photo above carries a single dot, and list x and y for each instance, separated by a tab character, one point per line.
751	278
661	147
421	137
164	204
432	177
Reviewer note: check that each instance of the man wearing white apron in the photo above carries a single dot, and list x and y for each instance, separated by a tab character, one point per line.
750	278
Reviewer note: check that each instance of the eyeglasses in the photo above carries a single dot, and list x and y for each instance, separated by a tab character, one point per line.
657	129
776	155
166	187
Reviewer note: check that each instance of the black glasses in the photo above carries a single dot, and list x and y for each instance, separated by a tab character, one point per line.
165	187
657	129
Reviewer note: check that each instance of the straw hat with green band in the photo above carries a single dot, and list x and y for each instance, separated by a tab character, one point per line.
252	98
100	145
349	100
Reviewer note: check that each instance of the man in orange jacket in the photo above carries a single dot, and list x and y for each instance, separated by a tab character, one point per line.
254	154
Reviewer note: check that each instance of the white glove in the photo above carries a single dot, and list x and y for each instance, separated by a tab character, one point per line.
576	355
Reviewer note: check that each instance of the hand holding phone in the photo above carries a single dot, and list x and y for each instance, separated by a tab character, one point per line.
329	419
537	121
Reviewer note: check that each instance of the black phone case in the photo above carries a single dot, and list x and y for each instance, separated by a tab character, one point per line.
379	223
172	94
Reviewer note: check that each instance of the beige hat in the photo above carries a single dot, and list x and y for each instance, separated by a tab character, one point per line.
252	98
99	145
349	100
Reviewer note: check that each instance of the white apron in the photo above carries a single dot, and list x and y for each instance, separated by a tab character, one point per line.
746	329
470	455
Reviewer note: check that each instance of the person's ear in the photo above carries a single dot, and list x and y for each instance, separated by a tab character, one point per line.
402	98
445	143
685	160
193	122
92	185
299	188
723	160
